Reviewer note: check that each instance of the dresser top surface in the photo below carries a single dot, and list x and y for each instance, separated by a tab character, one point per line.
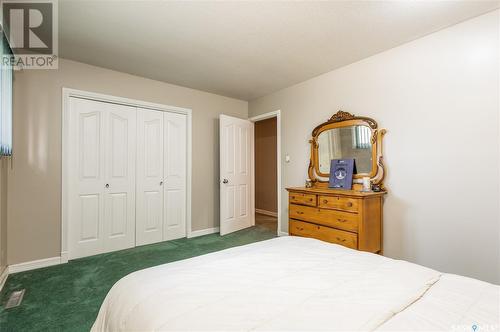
328	191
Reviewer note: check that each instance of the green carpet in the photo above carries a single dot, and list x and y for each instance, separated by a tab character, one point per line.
67	297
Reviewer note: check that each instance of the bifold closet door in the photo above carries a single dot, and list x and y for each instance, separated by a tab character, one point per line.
175	161
119	172
161	176
149	225
101	177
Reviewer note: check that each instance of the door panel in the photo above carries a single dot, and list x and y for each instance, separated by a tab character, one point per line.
153	203
119	145
230	202
149	225
89	227
243	200
119	192
118	202
229	150
242	150
89	144
174	215
86	178
175	161
236	174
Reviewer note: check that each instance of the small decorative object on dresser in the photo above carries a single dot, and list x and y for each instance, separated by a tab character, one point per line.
341	171
367	184
352	218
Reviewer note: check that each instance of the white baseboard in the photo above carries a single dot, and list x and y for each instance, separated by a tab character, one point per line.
267	213
283	233
202	232
3	277
26	266
64	257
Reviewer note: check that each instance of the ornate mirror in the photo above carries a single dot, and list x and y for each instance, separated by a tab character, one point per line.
343	136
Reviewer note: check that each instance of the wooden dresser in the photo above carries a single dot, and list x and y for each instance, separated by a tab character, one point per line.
346	217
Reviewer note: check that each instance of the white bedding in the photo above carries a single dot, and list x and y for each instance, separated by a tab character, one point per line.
298	284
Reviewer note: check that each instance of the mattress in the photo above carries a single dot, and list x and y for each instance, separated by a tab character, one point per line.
296	284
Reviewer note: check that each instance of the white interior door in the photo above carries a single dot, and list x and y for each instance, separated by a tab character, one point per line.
175	175
119	190
237	204
102	177
149	216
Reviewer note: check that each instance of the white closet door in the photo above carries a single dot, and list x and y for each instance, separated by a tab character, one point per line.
101	177
86	178
119	192
149	225
175	135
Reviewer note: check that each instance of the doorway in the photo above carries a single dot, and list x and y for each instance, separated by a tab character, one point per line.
237	175
267	171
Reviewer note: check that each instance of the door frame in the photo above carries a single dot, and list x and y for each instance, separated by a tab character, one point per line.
275	114
67	93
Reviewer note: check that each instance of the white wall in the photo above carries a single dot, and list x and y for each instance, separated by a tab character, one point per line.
438	97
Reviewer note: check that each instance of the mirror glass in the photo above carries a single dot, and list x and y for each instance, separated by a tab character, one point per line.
353	142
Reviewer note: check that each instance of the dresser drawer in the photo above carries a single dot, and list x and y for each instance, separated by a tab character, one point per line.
332	218
323	233
338	203
300	198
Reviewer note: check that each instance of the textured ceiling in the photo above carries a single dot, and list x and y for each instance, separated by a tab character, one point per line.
245	49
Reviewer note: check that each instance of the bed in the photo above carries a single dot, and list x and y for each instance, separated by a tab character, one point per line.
297	284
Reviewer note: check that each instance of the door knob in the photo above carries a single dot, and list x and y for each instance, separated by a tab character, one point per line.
225	181
161	183
107	185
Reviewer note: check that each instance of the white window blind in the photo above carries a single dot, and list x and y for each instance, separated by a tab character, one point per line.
5	99
361	137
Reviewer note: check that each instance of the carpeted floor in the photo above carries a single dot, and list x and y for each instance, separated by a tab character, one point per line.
67	297
271	223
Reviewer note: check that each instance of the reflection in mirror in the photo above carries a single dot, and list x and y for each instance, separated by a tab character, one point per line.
352	142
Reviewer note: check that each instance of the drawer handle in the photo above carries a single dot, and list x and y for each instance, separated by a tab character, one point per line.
293	197
325	201
310	199
349	204
339	239
300	212
342	220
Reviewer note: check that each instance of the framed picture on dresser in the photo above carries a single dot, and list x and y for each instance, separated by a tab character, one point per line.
341	171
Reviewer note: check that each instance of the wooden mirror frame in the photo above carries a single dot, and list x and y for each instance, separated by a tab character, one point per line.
345	119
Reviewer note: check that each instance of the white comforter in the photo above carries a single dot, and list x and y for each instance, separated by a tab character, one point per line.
297	284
